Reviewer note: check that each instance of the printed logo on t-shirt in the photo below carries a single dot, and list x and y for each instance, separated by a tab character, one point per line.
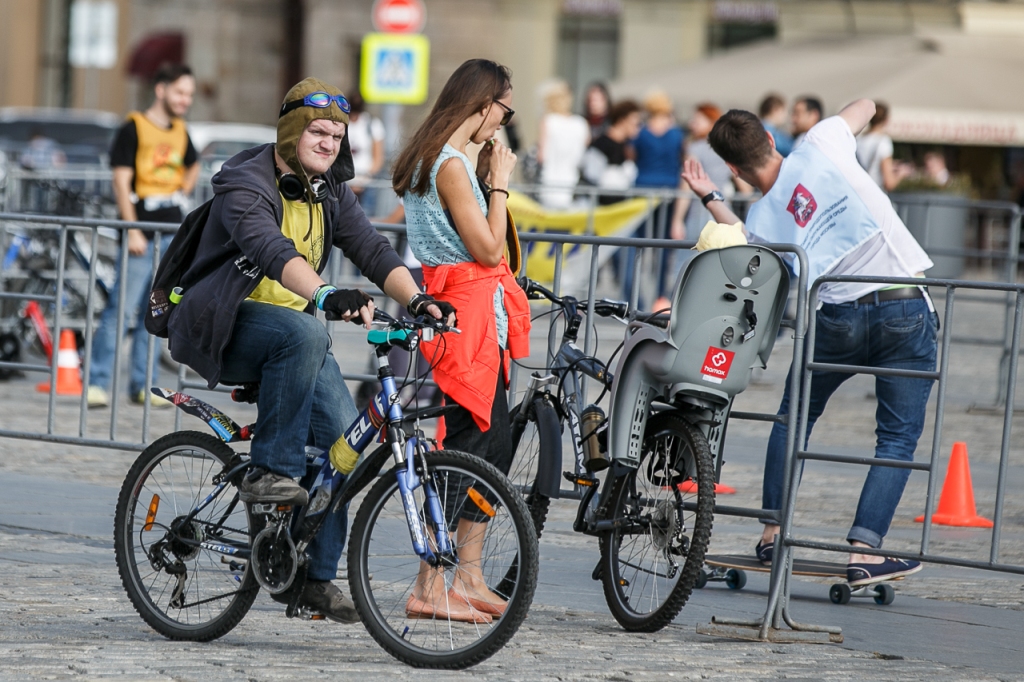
716	365
802	205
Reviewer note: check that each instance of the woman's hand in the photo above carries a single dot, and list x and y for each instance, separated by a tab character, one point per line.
502	163
483	161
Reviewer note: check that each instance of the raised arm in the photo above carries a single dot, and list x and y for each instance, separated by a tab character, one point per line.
858	114
702	185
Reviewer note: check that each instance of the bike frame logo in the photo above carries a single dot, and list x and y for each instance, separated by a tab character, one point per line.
802	205
716	365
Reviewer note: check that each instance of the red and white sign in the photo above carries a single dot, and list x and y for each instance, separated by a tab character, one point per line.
716	365
802	205
399	16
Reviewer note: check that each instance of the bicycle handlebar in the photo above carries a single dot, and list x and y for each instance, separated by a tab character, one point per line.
603	307
416	324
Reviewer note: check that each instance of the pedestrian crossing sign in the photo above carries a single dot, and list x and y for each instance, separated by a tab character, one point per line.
395	68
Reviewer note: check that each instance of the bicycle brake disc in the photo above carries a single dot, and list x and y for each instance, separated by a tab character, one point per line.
274	560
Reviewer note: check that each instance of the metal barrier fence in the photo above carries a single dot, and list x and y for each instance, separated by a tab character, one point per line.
647	250
777	613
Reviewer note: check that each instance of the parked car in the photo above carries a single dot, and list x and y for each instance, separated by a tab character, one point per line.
218	142
82	136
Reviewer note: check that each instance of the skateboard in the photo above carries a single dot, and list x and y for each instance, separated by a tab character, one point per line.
731	569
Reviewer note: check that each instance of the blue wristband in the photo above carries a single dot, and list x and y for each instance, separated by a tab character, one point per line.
321	293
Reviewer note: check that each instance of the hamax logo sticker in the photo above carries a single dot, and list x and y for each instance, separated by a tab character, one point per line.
716	365
802	205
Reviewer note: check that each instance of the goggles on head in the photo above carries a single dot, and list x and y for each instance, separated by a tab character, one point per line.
318	100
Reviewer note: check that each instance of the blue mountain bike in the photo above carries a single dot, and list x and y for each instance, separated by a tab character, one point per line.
192	557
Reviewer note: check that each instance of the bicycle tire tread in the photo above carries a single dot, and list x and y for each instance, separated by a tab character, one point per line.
699	539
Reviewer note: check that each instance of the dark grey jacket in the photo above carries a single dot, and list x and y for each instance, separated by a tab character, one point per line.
242	242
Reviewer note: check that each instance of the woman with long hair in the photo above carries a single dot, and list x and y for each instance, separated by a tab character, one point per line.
458	229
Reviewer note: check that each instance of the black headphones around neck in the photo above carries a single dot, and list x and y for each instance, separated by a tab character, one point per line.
292	188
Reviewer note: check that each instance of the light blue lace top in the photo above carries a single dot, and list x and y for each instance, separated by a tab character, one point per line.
432	235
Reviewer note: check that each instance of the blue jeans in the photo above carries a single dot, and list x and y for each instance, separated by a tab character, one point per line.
897	334
303	401
104	342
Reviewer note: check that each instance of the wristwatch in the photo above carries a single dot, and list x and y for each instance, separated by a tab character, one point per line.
712	196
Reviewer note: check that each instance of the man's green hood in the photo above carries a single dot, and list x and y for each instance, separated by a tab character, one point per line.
291	126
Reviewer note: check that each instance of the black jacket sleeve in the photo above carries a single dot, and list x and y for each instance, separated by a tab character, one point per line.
368	249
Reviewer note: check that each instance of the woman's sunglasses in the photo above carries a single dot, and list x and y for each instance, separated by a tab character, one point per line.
319	100
509	113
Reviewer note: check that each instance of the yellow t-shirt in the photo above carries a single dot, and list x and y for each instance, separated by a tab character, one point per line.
309	242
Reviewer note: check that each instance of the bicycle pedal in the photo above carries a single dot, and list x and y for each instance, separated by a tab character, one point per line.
585	481
598	572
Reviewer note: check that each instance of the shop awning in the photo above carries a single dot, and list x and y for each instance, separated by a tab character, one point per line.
944	89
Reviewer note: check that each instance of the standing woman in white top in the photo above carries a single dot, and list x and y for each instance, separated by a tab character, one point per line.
874	152
564	136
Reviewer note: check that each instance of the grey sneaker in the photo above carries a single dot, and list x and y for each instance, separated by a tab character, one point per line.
323	597
260	485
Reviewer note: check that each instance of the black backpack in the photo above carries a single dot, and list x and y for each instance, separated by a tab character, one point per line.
173	266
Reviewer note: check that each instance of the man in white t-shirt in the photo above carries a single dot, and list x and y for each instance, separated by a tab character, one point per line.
821	198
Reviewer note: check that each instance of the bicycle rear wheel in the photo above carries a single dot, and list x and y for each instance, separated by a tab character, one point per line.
381	546
536	437
652	560
183	589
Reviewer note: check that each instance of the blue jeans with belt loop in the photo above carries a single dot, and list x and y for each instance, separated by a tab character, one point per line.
303	401
897	334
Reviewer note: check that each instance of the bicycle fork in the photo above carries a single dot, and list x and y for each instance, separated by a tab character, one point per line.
409	479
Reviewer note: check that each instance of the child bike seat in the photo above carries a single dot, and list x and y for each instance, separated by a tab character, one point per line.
727	306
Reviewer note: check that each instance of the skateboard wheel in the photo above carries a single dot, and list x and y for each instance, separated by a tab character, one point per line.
735	579
884	594
840	593
702	579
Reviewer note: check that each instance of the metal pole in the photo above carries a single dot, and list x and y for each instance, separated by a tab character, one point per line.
51	417
83	406
556	287
1004	448
940	412
147	399
588	336
122	297
1010	276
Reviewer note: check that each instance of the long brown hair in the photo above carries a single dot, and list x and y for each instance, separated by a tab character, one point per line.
472	87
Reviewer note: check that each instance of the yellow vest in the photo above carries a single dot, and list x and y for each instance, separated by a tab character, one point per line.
160	157
308	242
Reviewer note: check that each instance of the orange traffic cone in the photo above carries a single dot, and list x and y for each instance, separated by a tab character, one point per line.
688	486
956	504
69	380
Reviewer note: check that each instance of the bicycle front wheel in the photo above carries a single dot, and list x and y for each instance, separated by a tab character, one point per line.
652	559
493	537
536	438
189	578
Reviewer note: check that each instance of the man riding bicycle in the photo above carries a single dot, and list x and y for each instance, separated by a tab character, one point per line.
247	313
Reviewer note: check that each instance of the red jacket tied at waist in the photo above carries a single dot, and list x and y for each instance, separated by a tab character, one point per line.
466	364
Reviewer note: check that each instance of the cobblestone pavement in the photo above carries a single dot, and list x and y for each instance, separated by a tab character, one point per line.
64	615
